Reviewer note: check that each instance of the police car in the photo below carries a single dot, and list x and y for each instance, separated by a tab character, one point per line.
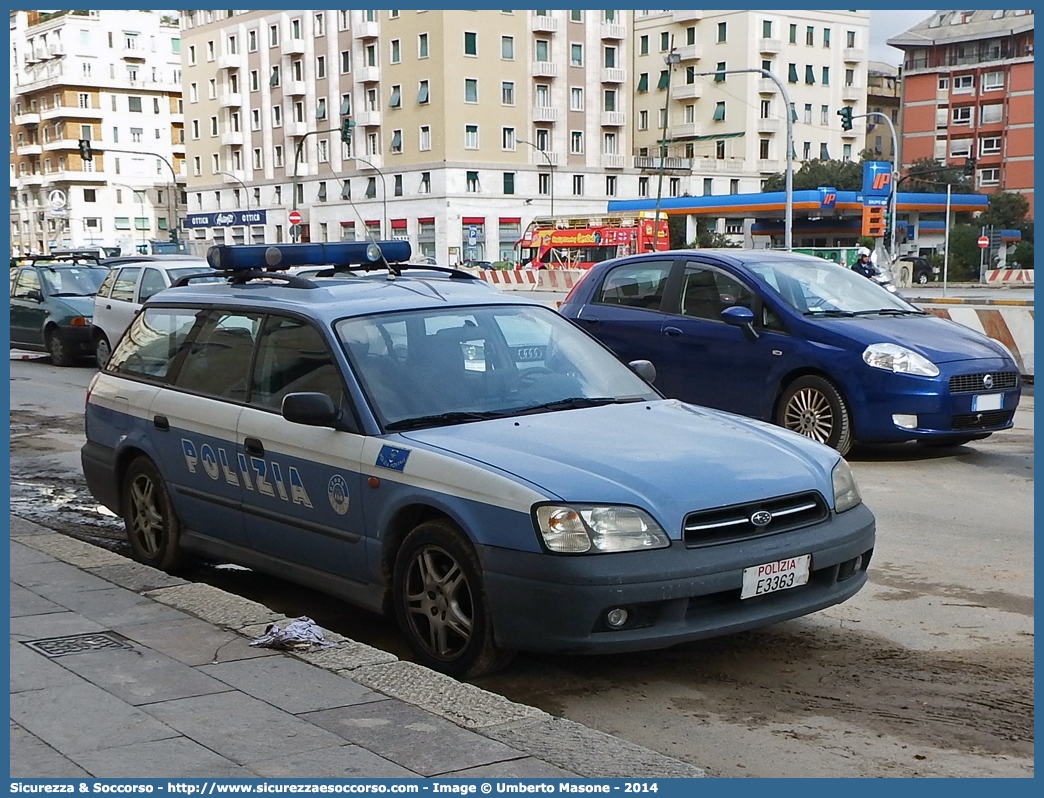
414	441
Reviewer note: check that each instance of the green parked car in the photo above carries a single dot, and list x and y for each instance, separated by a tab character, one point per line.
52	302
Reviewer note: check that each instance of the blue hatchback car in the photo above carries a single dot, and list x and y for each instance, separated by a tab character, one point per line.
801	342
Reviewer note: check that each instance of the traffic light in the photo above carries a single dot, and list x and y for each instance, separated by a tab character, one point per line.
969	167
85	150
873	222
846	118
346	130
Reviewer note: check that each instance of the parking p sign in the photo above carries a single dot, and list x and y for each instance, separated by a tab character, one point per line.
472	235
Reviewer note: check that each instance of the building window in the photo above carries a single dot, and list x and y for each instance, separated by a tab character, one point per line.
507	139
509	182
665	41
990	146
543	49
578	185
810	35
609	100
470	90
610	185
675	186
826	76
396	141
989	177
422	45
576	55
643	187
471	44
719	111
543	184
792	76
422	92
424	143
396	97
507	48
473	182
471	137
719	149
991	114
764	149
609	144
396	55
643	120
810	77
609	57
851	39
643	82
722	31
507	93
576	99
824	154
808	114
576	142
806	152
425	183
963	84
849	77
824	114
962	116
643	45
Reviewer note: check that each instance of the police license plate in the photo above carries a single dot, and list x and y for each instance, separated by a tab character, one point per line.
772	576
987	401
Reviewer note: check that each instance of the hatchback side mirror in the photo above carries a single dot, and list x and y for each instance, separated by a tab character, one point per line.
34	294
739	316
312	409
644	369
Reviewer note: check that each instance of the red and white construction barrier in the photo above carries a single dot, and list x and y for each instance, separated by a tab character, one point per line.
1009	276
508	277
1010	327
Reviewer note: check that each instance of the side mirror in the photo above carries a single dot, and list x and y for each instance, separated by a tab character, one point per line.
34	294
312	409
739	316
644	369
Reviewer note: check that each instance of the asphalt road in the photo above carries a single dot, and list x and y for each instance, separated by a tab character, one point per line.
926	672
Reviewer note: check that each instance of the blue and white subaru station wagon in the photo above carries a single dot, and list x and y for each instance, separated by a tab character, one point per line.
416	442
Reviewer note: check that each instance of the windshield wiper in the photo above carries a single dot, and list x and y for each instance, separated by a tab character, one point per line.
576	402
439	419
889	312
70	293
841	313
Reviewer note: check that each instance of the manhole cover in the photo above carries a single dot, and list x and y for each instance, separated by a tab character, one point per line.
76	644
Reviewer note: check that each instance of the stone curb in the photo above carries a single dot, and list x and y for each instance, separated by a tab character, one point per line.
569	745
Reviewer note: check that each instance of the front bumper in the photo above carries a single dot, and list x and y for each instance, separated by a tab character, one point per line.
77	339
551	603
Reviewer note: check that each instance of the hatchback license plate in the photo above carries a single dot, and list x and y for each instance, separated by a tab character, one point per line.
987	401
772	576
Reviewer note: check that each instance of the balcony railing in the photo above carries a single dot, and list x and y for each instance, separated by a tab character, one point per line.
687	16
769	46
767	86
545	114
230	100
613	75
368	30
853	93
653	164
232	138
545	69
685	130
369	74
690	52
611	30
853	55
228	61
771	125
368	118
294	88
294	47
613	119
542	23
32	118
687	91
614	161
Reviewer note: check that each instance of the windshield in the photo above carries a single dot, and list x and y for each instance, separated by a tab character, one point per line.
818	287
72	281
441	366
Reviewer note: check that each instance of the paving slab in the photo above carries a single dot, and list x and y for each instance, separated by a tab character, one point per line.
21	528
345	761
412	737
136	576
175	758
54	577
57	624
291	685
31	757
26	602
31	670
73	551
241	728
116	606
193	642
25	555
140	675
83	717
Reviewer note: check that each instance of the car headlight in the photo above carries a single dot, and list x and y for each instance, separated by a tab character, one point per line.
581	528
892	357
846	492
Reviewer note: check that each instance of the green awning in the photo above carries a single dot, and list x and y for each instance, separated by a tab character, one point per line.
713	137
395	97
792	73
810	75
422	93
719	112
643	82
665	79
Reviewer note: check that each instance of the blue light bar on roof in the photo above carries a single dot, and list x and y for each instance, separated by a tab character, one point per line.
283	256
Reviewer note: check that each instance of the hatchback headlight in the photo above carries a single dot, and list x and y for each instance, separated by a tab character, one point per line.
595	528
892	357
846	492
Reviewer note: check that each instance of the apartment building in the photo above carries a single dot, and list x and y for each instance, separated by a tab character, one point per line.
726	130
114	79
967	92
883	88
468	124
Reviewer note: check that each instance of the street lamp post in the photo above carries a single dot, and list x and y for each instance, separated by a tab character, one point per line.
140	193
672	59
894	182
297	160
174	186
384	195
550	168
246	191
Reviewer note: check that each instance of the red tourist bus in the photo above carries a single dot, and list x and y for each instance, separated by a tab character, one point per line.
581	242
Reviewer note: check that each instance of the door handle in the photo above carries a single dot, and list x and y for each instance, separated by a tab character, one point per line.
591	319
108	307
672	331
161	423
254	447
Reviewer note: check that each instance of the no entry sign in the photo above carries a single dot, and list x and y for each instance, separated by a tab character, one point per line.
294	217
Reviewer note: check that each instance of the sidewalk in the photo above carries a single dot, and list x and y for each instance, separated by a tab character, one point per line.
122	671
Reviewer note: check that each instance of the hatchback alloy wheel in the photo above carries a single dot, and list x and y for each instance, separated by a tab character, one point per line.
812	406
808	412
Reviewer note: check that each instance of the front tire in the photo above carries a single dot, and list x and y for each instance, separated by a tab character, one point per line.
813	407
102	350
153	529
440	602
58	349
922	279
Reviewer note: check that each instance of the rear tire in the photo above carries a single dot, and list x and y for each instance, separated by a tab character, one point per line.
58	349
440	602
102	350
153	529
814	407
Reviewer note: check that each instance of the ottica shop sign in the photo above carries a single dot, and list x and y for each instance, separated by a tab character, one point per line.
226	218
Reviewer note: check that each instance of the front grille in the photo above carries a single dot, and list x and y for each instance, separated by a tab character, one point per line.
984	420
972	383
725	524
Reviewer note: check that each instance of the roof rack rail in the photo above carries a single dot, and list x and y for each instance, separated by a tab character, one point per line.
456	274
241	276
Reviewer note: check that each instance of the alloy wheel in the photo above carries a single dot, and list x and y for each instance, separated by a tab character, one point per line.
146	518
439	605
808	412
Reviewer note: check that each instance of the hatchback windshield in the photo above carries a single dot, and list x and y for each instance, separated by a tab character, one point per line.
818	287
72	280
430	367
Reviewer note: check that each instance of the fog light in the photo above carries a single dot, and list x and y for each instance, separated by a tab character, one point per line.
904	420
617	618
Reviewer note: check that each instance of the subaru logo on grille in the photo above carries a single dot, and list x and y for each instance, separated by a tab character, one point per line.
987	381
761	518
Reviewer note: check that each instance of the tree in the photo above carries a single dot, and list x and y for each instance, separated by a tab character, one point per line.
709	238
1023	255
1006	211
842	175
926	177
963	252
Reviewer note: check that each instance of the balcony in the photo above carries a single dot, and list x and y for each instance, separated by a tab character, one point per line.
687	91
232	138
770	46
368	119
686	16
767	86
72	112
614	161
538	158
613	75
295	128
613	119
543	23
545	69
56	50
294	88
132	54
367	30
25	150
851	134
230	100
372	161
293	47
652	164
768	166
32	118
690	52
61	144
34	179
772	125
853	93
853	55
228	61
545	114
611	30
686	130
369	74
71	176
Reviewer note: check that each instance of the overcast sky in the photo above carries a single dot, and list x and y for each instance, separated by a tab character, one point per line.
886	24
